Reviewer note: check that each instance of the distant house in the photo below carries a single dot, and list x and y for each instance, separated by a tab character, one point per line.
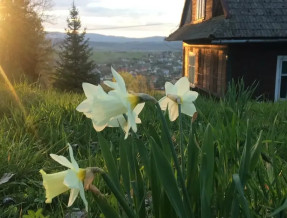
224	39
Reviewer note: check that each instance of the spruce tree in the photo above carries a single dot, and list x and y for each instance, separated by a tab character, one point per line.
75	65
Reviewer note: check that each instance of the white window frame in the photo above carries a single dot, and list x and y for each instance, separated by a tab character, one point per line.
279	75
200	9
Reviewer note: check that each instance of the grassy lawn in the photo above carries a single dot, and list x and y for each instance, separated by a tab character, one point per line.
43	122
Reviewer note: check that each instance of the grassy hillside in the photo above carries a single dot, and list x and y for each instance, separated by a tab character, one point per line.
43	121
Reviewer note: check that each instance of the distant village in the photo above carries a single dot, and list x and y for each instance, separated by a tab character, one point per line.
157	67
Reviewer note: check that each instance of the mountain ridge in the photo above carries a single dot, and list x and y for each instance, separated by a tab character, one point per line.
120	43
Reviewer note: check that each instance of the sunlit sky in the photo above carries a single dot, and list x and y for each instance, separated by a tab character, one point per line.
129	18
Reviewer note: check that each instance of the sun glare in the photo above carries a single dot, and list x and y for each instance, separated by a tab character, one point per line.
17	99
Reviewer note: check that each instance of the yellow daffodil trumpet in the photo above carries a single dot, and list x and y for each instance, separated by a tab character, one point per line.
71	179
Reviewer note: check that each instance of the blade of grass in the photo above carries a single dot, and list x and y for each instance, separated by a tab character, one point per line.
206	173
240	193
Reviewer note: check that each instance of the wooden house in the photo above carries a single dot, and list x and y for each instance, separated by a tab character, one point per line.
225	39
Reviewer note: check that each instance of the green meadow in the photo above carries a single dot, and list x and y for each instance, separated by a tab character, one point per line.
104	57
248	140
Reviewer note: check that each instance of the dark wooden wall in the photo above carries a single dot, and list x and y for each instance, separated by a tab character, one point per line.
256	62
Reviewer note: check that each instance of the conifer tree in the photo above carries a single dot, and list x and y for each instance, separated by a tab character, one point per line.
24	48
75	65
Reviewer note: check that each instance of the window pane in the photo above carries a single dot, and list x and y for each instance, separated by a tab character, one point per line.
284	67
191	68
283	90
200	9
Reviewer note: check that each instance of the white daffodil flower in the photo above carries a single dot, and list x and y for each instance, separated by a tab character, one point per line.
121	121
107	108
71	179
176	94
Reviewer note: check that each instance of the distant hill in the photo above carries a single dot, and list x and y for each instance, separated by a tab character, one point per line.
117	43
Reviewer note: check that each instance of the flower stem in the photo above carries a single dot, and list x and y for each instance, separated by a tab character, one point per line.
179	172
181	142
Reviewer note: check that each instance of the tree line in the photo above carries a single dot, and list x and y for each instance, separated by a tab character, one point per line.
26	52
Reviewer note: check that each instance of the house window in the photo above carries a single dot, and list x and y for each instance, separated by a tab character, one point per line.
281	78
191	67
200	9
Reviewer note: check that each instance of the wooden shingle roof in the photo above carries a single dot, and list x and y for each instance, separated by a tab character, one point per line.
247	19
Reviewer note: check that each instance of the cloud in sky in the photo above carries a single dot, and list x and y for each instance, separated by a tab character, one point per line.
131	18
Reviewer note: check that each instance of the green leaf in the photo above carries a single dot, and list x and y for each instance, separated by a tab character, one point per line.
166	131
155	188
121	199
168	181
140	194
110	162
245	158
255	152
105	207
206	173
144	156
241	198
192	170
166	209
279	209
124	168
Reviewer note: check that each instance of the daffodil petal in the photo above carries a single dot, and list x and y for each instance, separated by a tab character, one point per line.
110	84
172	110
100	93
107	108
117	121
182	86
98	128
89	89
170	88
82	194
188	109
71	180
75	164
163	102
119	80
62	160
126	129
85	107
139	108
190	96
73	195
131	120
138	120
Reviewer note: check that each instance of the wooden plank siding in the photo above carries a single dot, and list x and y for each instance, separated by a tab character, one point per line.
210	67
256	62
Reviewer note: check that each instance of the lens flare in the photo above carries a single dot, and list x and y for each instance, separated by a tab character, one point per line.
17	99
